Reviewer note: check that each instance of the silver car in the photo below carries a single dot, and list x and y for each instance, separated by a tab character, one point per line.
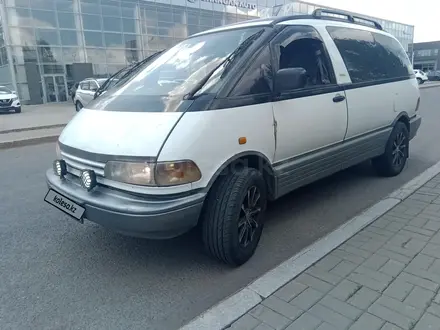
86	91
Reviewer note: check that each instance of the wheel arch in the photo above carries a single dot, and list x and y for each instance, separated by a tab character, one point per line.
404	118
253	159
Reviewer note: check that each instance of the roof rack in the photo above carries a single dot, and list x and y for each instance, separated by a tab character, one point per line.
318	13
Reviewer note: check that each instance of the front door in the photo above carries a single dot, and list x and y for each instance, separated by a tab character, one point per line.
55	88
313	116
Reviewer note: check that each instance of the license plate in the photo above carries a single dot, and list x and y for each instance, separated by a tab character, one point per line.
64	204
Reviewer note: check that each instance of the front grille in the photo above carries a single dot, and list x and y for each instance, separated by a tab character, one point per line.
75	165
6	103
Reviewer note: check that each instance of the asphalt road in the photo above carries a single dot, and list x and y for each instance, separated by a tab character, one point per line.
58	274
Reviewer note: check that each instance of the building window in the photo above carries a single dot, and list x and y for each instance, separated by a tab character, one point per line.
91	22
44	18
68	38
66	20
93	38
423	52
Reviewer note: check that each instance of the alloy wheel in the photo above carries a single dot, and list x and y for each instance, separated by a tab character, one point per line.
399	150
248	222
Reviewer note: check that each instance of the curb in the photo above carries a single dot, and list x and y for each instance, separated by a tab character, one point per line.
230	309
429	86
16	130
28	142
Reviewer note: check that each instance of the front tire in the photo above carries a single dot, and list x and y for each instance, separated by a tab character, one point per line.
393	160
232	220
18	110
419	81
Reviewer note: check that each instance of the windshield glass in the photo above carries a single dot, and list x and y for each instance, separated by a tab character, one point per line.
174	73
4	90
101	81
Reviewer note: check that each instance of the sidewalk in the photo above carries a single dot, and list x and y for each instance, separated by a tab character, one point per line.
385	277
37	117
378	271
36	124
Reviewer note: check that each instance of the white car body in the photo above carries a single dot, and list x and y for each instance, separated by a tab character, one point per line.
9	100
287	137
86	91
421	76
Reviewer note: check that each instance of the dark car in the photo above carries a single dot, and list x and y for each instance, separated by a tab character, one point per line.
434	75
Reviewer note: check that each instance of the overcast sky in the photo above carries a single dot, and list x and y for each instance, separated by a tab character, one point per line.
423	14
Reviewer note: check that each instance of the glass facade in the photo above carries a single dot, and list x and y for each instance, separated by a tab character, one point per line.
48	45
403	32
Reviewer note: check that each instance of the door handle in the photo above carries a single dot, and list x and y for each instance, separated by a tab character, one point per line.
339	98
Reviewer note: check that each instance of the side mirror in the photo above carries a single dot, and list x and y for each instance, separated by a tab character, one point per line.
14	92
290	79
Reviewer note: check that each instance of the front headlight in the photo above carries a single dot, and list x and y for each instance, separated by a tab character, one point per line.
133	173
15	98
152	174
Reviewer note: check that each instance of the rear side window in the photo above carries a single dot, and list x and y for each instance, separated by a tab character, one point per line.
370	56
394	56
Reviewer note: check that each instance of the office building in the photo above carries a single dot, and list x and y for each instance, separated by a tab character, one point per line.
47	45
427	56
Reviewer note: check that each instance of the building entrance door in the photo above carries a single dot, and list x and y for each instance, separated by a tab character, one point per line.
55	88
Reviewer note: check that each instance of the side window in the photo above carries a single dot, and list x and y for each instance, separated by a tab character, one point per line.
84	86
258	77
394	59
359	52
370	56
302	47
93	86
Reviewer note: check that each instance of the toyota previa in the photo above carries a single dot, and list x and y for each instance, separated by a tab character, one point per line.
229	119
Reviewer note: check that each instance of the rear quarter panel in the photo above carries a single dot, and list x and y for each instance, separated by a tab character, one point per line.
406	96
210	138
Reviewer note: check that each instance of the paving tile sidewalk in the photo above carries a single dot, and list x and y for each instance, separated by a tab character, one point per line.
386	277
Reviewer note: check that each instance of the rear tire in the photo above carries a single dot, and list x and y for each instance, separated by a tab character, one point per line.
78	106
393	160
232	219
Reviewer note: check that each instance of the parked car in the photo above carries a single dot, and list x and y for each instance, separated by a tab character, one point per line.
86	91
9	100
284	102
420	76
434	75
123	75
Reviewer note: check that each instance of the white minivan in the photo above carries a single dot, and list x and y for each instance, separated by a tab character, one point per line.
231	118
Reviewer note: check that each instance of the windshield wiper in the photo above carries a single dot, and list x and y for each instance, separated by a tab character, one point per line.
139	64
129	70
227	62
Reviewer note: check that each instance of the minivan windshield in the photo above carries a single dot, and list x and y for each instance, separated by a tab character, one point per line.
174	73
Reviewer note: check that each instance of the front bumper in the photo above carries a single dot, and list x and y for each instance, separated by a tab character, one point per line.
9	108
156	218
414	125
